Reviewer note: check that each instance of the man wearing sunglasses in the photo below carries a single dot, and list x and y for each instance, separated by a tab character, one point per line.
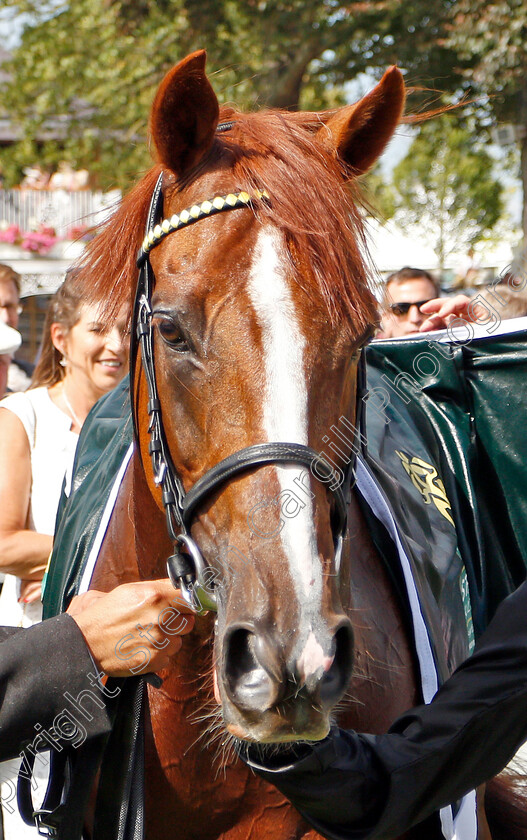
405	292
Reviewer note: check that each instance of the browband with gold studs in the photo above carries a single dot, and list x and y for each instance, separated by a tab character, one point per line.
193	214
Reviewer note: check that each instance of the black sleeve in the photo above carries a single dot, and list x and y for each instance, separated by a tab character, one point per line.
353	786
38	666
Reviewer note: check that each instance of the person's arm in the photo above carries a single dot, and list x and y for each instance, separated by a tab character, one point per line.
37	666
43	666
353	786
23	553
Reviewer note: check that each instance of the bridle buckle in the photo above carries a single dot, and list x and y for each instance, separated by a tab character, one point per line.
189	572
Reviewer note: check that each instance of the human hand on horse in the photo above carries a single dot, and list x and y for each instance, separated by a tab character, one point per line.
110	621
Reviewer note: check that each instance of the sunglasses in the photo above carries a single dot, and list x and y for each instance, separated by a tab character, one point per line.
403	307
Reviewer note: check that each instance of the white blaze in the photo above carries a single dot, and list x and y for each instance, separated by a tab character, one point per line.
285	403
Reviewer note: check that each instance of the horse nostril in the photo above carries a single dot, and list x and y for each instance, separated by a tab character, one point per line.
249	684
335	680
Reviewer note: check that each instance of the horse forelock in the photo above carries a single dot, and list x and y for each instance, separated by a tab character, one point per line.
312	201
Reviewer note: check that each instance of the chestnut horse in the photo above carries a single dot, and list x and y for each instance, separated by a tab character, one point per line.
256	322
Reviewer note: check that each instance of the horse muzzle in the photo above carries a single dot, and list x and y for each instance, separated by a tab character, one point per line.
268	695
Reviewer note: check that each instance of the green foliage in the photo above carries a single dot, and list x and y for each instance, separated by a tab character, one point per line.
75	81
446	187
90	68
379	194
84	75
491	36
95	64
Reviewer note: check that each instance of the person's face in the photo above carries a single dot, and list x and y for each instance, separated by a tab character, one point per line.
96	356
9	303
406	320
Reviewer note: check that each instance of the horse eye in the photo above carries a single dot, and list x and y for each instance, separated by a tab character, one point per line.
171	335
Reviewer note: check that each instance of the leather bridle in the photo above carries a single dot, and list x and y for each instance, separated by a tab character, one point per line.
186	567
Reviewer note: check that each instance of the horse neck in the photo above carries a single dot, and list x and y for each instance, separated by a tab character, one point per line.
152	543
385	676
136	541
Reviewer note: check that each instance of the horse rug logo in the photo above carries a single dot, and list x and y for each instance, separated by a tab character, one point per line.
425	478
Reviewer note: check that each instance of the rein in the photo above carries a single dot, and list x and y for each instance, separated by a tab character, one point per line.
186	567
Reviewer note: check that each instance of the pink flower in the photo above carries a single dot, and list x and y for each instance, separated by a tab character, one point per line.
11	234
38	242
49	231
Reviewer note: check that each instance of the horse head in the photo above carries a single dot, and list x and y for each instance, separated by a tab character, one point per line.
257	318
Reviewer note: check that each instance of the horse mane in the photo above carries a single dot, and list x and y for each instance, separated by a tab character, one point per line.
108	267
313	199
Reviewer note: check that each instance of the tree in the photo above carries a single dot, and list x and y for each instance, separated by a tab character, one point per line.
446	187
378	194
491	37
96	63
85	73
90	67
471	49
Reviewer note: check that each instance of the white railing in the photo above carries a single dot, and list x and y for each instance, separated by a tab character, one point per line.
58	209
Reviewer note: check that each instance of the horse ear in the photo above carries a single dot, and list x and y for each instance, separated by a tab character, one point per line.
359	133
184	115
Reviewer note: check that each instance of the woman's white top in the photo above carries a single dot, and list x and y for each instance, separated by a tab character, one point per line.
52	445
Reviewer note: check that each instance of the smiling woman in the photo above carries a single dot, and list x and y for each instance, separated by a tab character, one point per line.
82	358
95	358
